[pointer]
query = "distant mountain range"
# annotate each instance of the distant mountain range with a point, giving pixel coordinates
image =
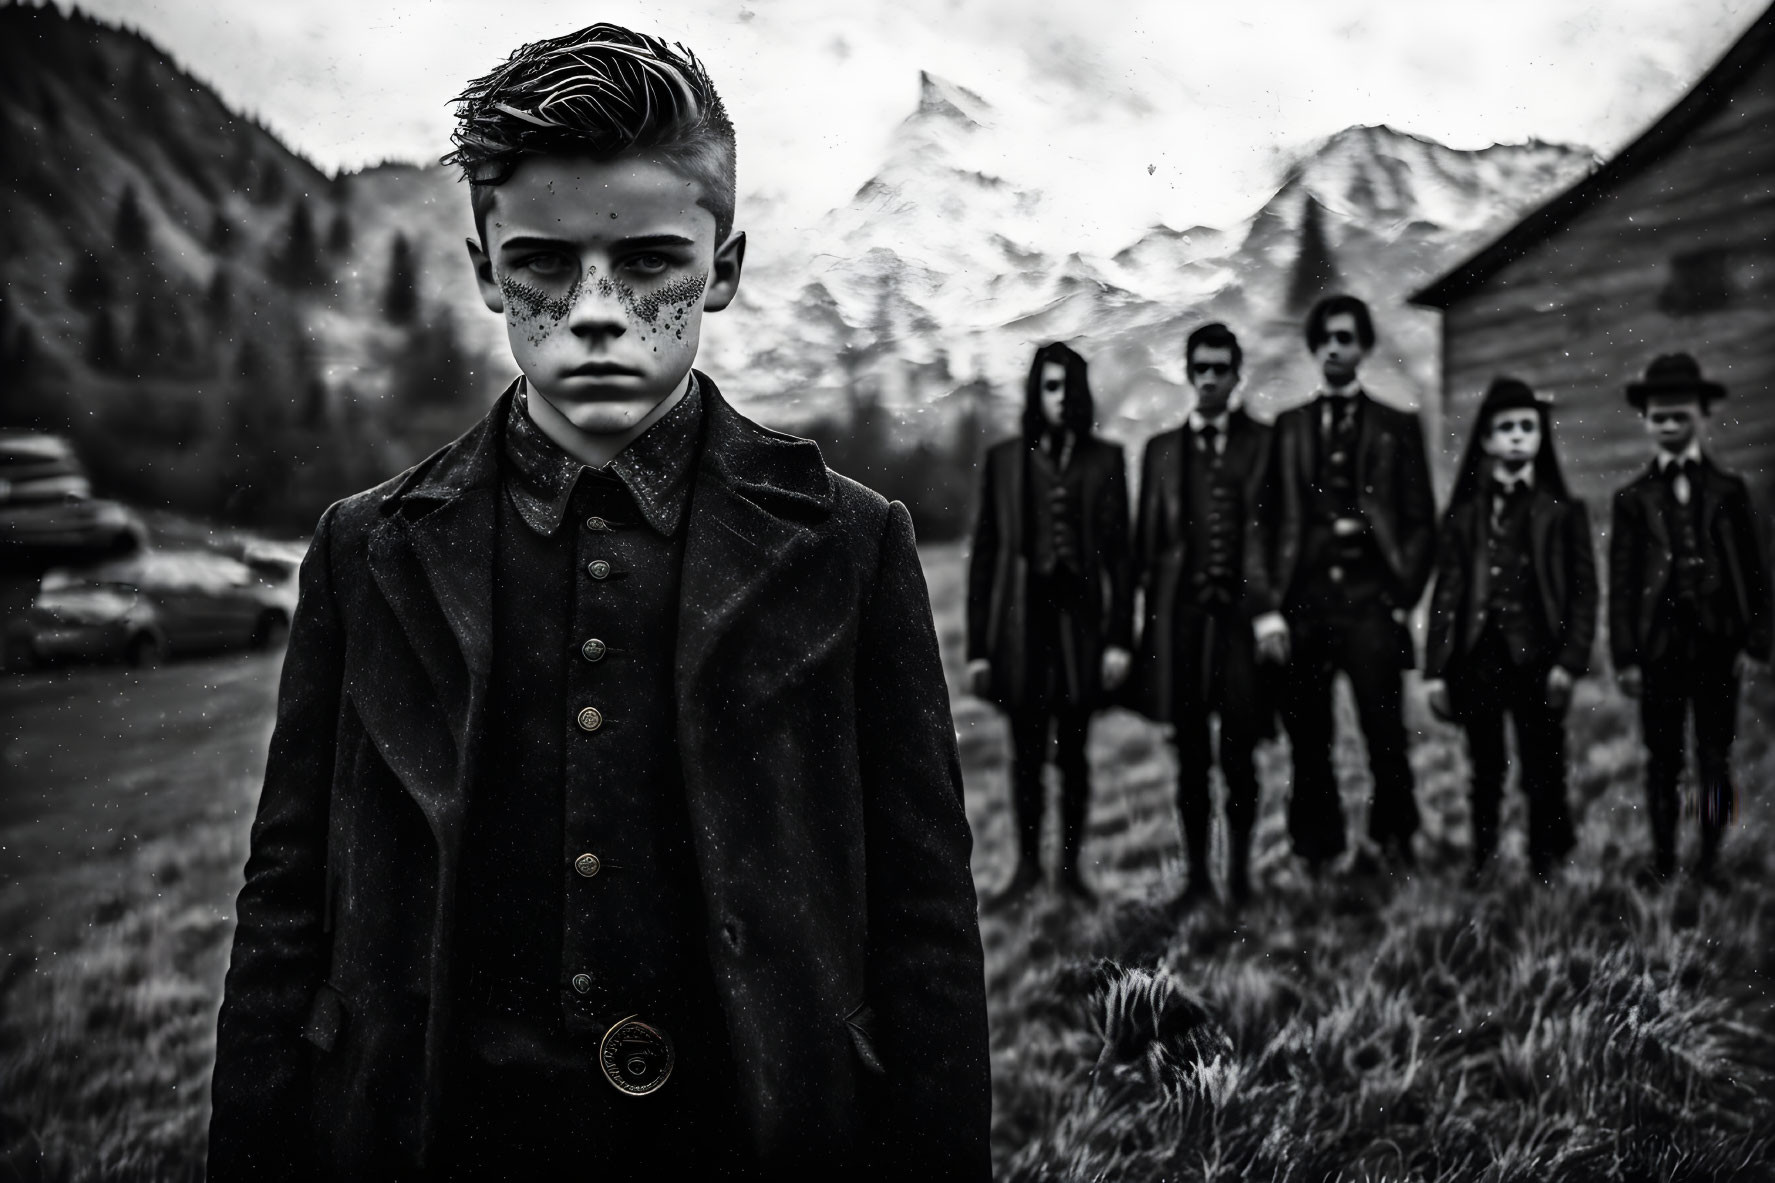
(937, 271)
(206, 310)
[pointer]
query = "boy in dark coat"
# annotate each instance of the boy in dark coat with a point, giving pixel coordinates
(1048, 603)
(1353, 528)
(1200, 562)
(1513, 616)
(613, 817)
(1688, 603)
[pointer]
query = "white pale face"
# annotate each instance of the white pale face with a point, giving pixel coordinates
(1674, 422)
(603, 270)
(1514, 438)
(1053, 392)
(1341, 352)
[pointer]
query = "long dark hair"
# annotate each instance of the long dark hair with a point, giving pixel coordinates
(1476, 465)
(1077, 409)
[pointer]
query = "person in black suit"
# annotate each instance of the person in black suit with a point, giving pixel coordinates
(1513, 616)
(1048, 600)
(613, 819)
(1200, 562)
(1353, 529)
(1688, 604)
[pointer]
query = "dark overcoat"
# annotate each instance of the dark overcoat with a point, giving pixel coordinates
(1563, 563)
(1392, 489)
(999, 569)
(1162, 546)
(1640, 558)
(823, 788)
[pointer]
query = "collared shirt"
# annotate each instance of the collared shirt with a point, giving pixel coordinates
(1505, 481)
(1689, 459)
(1198, 422)
(656, 467)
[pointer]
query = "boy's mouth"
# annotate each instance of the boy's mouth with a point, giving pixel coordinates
(603, 369)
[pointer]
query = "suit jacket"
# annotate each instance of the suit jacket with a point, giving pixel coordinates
(1162, 541)
(999, 570)
(1393, 492)
(1640, 564)
(1563, 566)
(822, 782)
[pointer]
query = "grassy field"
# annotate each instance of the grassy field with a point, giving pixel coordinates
(1353, 1029)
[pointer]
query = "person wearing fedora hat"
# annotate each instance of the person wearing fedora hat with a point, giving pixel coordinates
(1688, 603)
(1513, 616)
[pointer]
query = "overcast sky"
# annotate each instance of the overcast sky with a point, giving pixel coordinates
(1176, 111)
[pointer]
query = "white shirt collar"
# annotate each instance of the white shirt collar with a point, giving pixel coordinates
(1508, 482)
(1350, 391)
(1690, 453)
(1198, 421)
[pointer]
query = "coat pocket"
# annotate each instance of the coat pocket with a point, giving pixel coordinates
(326, 1018)
(860, 1023)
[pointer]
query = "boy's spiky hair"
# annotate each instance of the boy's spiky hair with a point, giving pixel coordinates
(600, 92)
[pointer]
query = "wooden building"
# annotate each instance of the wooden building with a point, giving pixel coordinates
(1668, 246)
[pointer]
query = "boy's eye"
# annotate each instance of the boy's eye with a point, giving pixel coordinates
(547, 265)
(648, 263)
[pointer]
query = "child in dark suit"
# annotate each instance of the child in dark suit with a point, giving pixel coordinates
(613, 820)
(1688, 603)
(1513, 616)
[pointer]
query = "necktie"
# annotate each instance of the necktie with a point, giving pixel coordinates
(1210, 438)
(1682, 479)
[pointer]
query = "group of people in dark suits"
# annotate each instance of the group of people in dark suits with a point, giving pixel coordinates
(1267, 559)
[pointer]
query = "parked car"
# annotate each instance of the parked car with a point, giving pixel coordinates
(153, 605)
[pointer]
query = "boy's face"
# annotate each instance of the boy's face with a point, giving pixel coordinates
(603, 270)
(1053, 392)
(1211, 372)
(1514, 437)
(1673, 421)
(1341, 351)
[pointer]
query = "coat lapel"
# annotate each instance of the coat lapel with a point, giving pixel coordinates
(432, 561)
(756, 493)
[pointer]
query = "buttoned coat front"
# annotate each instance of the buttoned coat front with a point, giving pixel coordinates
(1161, 547)
(1392, 490)
(1562, 567)
(1641, 560)
(823, 788)
(999, 570)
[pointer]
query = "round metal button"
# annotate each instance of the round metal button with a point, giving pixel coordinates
(588, 865)
(598, 569)
(582, 983)
(592, 650)
(636, 1057)
(597, 525)
(591, 719)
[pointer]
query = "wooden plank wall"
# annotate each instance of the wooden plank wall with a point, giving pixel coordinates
(1578, 316)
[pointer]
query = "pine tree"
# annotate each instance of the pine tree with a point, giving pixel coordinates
(1315, 266)
(131, 230)
(148, 338)
(299, 264)
(269, 187)
(218, 297)
(90, 285)
(221, 239)
(339, 234)
(141, 92)
(400, 297)
(102, 348)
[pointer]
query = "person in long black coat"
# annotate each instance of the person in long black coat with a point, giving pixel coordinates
(613, 819)
(1048, 599)
(1354, 525)
(1689, 612)
(1201, 564)
(1512, 616)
